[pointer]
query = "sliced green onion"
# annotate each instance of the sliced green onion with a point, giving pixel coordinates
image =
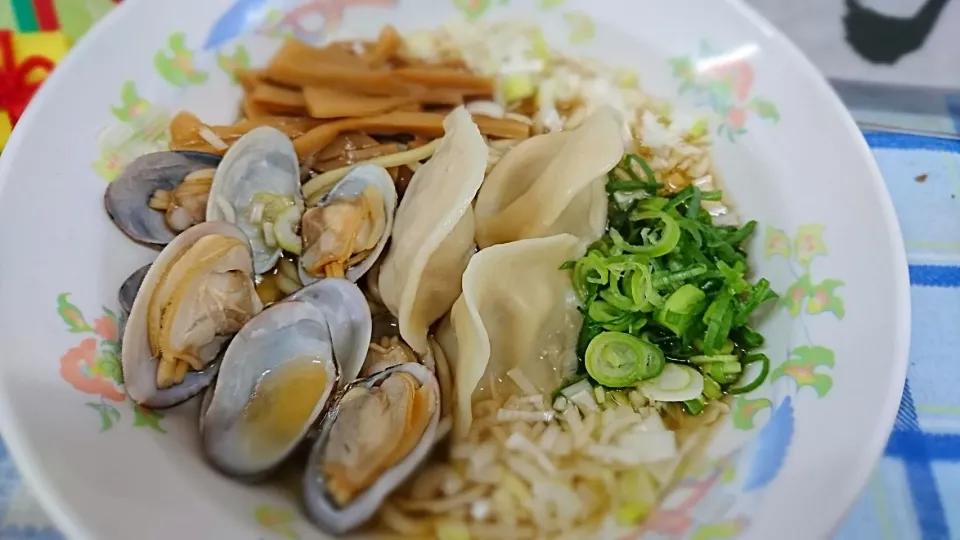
(603, 312)
(718, 371)
(761, 293)
(653, 203)
(747, 338)
(742, 233)
(711, 388)
(636, 324)
(669, 238)
(715, 195)
(731, 367)
(614, 186)
(676, 383)
(734, 276)
(661, 279)
(695, 406)
(693, 207)
(629, 159)
(681, 308)
(588, 274)
(754, 384)
(693, 229)
(663, 259)
(283, 230)
(714, 318)
(272, 205)
(721, 358)
(681, 197)
(618, 360)
(613, 296)
(641, 290)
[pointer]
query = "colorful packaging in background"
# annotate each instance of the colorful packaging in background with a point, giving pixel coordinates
(34, 36)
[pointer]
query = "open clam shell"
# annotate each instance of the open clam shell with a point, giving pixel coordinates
(137, 360)
(348, 316)
(352, 187)
(127, 198)
(275, 380)
(320, 506)
(262, 162)
(130, 287)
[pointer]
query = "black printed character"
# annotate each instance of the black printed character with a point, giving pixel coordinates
(882, 39)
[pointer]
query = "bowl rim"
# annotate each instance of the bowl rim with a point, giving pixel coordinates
(74, 526)
(876, 445)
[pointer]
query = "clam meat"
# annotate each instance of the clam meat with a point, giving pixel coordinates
(345, 233)
(386, 352)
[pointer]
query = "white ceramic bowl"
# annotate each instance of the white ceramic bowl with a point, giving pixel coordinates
(795, 453)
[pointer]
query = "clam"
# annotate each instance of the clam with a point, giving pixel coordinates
(257, 188)
(348, 316)
(345, 233)
(386, 352)
(380, 430)
(129, 288)
(195, 296)
(161, 194)
(275, 380)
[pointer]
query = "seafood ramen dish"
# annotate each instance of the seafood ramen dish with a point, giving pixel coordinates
(464, 286)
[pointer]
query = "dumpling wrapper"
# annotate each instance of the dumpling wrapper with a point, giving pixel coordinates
(517, 310)
(433, 231)
(552, 184)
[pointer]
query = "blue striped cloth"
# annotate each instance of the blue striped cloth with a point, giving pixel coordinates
(915, 492)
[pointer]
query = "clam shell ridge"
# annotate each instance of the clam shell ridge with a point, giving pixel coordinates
(349, 319)
(280, 334)
(261, 160)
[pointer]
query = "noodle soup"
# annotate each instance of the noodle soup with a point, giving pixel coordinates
(524, 300)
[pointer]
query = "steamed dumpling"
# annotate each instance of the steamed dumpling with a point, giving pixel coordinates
(552, 184)
(433, 231)
(517, 310)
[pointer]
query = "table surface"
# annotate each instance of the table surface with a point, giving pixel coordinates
(915, 492)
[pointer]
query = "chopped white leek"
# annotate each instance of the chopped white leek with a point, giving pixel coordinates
(676, 383)
(212, 139)
(517, 86)
(510, 415)
(580, 393)
(600, 395)
(269, 237)
(560, 404)
(522, 382)
(485, 107)
(256, 212)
